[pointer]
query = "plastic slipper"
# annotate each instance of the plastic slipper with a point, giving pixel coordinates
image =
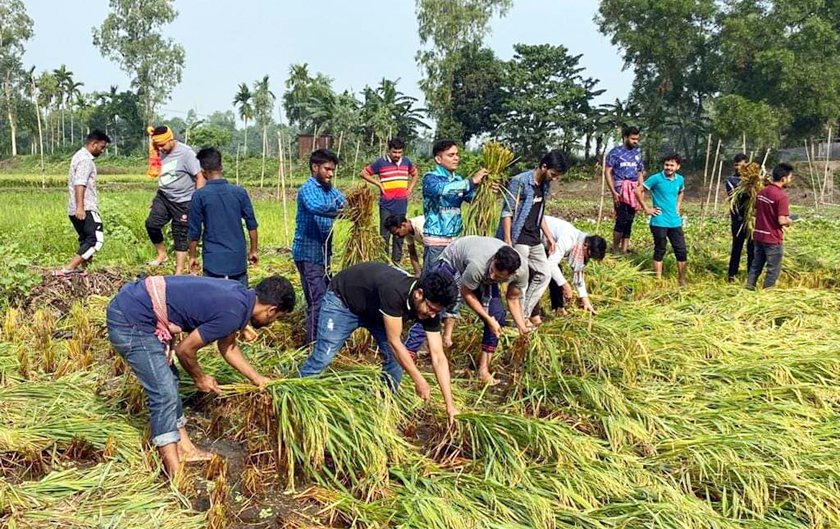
(154, 263)
(63, 272)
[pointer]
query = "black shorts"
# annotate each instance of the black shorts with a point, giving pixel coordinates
(90, 234)
(624, 216)
(162, 211)
(660, 238)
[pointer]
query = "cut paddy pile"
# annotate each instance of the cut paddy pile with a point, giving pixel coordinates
(702, 407)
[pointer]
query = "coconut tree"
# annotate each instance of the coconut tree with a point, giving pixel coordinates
(264, 100)
(243, 103)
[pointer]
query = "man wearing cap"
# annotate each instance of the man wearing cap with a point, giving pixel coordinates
(180, 175)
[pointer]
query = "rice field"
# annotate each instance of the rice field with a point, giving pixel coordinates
(702, 407)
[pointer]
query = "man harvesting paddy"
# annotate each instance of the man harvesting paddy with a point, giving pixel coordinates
(380, 298)
(772, 216)
(142, 319)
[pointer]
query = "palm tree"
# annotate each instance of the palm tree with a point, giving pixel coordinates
(63, 79)
(242, 100)
(73, 94)
(389, 112)
(297, 86)
(264, 100)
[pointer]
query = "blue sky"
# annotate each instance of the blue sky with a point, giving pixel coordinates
(354, 42)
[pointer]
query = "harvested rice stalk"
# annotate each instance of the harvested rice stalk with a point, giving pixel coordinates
(744, 196)
(363, 242)
(482, 216)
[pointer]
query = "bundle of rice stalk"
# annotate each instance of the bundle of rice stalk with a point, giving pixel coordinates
(363, 243)
(338, 430)
(744, 196)
(482, 216)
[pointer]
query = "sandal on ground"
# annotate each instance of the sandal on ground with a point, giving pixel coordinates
(63, 272)
(154, 263)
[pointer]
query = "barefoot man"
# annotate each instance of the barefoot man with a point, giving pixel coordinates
(145, 314)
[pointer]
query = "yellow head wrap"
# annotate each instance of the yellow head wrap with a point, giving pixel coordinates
(160, 139)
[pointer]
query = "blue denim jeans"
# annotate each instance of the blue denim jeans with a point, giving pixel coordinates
(335, 324)
(314, 279)
(769, 255)
(146, 356)
(431, 254)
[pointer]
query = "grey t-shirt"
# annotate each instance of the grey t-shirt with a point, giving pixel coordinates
(470, 257)
(177, 173)
(82, 173)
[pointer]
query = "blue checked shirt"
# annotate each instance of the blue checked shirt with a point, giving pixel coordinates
(518, 202)
(317, 208)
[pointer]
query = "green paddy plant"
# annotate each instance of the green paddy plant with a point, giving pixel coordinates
(482, 216)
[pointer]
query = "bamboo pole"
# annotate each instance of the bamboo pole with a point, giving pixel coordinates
(744, 143)
(283, 186)
(711, 183)
(356, 157)
(603, 185)
(811, 173)
(717, 186)
(291, 159)
(708, 153)
(237, 164)
(825, 185)
(338, 151)
(764, 160)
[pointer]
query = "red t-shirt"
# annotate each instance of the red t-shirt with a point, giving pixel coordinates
(770, 204)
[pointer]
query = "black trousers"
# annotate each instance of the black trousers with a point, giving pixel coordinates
(90, 234)
(624, 216)
(740, 235)
(162, 211)
(661, 236)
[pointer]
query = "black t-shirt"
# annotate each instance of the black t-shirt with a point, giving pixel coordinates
(371, 290)
(530, 233)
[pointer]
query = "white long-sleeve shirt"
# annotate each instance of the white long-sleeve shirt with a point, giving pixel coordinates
(566, 236)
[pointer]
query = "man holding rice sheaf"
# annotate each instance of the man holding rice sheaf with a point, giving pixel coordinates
(142, 319)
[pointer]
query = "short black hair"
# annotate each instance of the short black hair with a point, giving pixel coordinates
(597, 246)
(276, 291)
(673, 157)
(740, 157)
(555, 160)
(210, 159)
(507, 260)
(396, 143)
(160, 130)
(439, 288)
(782, 170)
(322, 156)
(442, 145)
(630, 131)
(97, 135)
(394, 221)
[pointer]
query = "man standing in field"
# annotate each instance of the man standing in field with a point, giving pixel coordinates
(576, 248)
(523, 221)
(444, 191)
(218, 210)
(396, 178)
(318, 204)
(667, 189)
(180, 176)
(144, 315)
(625, 171)
(380, 298)
(83, 204)
(772, 215)
(411, 228)
(737, 220)
(479, 265)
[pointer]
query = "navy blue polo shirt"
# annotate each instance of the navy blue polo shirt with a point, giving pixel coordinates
(219, 208)
(215, 307)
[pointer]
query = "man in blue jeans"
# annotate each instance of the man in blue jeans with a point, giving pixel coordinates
(141, 320)
(772, 216)
(216, 214)
(667, 189)
(379, 298)
(318, 204)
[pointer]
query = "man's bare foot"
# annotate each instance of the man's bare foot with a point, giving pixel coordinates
(487, 378)
(447, 341)
(157, 261)
(536, 321)
(195, 455)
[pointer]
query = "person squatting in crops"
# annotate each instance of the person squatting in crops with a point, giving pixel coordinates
(142, 319)
(180, 175)
(737, 221)
(412, 230)
(576, 248)
(318, 204)
(772, 215)
(444, 191)
(625, 171)
(379, 298)
(396, 177)
(83, 203)
(667, 189)
(479, 265)
(522, 224)
(217, 211)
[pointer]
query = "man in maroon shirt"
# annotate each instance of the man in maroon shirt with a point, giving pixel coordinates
(772, 214)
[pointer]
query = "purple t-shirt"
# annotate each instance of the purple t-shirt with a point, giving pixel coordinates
(626, 164)
(214, 307)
